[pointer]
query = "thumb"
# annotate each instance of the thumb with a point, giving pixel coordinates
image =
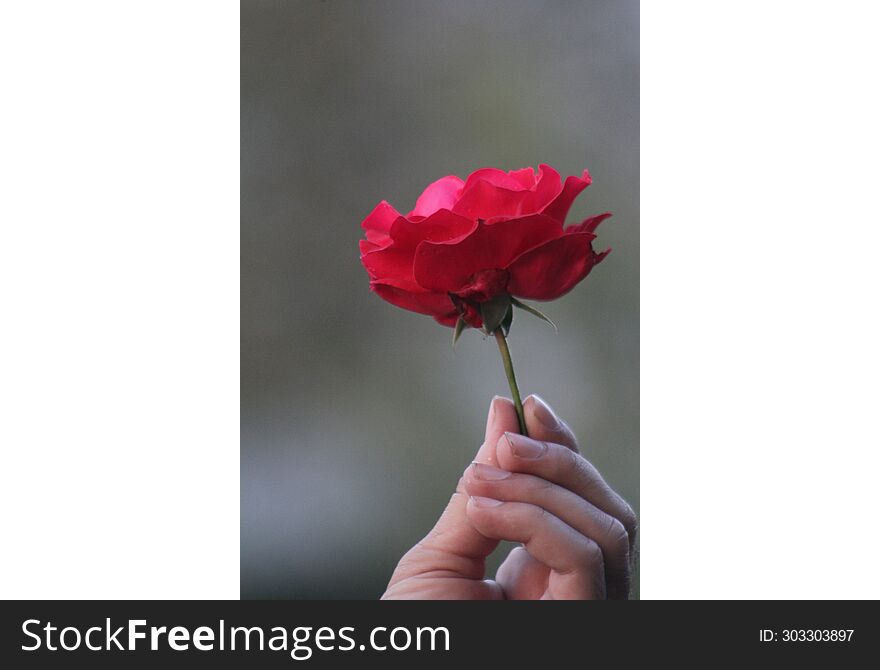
(453, 538)
(453, 532)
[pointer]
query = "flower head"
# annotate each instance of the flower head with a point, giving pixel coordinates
(467, 243)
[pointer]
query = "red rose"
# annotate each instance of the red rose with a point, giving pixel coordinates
(466, 242)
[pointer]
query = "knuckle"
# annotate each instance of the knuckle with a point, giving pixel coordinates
(539, 514)
(590, 554)
(582, 470)
(531, 522)
(587, 469)
(629, 522)
(561, 430)
(540, 486)
(568, 436)
(547, 448)
(565, 461)
(618, 537)
(533, 517)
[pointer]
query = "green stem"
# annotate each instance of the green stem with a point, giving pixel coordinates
(511, 379)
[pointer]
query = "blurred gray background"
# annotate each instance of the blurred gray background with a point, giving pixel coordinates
(357, 418)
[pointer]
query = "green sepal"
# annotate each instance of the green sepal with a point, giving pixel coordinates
(495, 313)
(535, 311)
(460, 325)
(505, 325)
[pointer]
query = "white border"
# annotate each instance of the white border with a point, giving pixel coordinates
(760, 336)
(119, 272)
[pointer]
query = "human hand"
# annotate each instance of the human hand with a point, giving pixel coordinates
(577, 534)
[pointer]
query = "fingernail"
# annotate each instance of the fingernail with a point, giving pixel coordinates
(480, 501)
(489, 472)
(544, 414)
(492, 407)
(523, 447)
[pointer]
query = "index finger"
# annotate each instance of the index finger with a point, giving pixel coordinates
(545, 425)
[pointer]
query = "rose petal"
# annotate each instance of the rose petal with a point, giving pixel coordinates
(547, 188)
(366, 246)
(441, 226)
(433, 304)
(484, 200)
(448, 266)
(448, 320)
(499, 178)
(559, 206)
(490, 192)
(501, 195)
(441, 194)
(378, 223)
(588, 225)
(393, 262)
(469, 312)
(553, 269)
(526, 177)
